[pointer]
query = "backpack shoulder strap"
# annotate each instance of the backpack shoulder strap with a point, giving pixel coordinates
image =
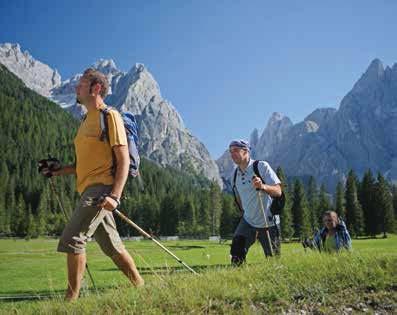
(237, 199)
(104, 123)
(235, 177)
(256, 170)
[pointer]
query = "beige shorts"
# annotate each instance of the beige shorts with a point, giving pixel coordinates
(88, 221)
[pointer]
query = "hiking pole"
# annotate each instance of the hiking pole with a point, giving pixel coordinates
(267, 234)
(126, 219)
(52, 185)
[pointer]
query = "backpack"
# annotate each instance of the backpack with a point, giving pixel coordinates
(131, 130)
(278, 203)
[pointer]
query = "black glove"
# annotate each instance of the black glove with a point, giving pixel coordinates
(47, 166)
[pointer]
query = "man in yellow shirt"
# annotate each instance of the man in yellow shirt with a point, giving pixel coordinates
(96, 179)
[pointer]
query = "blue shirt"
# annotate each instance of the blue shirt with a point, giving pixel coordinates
(248, 195)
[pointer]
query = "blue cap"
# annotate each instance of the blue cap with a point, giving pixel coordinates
(240, 144)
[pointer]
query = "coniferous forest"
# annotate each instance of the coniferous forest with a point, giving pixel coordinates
(171, 202)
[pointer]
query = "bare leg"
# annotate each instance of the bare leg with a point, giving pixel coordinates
(76, 268)
(127, 265)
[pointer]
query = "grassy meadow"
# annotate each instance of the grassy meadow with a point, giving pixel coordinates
(300, 281)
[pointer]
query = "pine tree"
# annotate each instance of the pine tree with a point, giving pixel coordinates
(203, 215)
(149, 214)
(19, 223)
(300, 211)
(287, 230)
(31, 228)
(229, 217)
(354, 213)
(367, 201)
(168, 216)
(384, 202)
(323, 205)
(43, 212)
(215, 207)
(394, 190)
(313, 202)
(187, 218)
(3, 216)
(339, 201)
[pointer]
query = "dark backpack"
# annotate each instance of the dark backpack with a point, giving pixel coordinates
(131, 129)
(278, 203)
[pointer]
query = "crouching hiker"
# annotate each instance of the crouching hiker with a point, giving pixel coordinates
(255, 184)
(333, 237)
(102, 170)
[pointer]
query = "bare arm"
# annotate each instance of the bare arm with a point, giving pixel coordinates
(271, 190)
(123, 164)
(123, 161)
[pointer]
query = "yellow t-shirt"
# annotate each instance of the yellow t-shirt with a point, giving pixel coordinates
(94, 157)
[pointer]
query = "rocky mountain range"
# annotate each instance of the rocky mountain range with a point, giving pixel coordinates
(360, 135)
(164, 137)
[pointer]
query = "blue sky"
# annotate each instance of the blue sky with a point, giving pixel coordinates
(225, 65)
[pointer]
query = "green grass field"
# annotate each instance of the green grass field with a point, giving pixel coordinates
(364, 280)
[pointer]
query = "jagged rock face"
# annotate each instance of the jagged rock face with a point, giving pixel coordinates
(135, 90)
(254, 139)
(277, 127)
(166, 141)
(225, 165)
(36, 75)
(164, 137)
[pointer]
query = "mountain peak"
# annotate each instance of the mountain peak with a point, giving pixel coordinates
(375, 69)
(374, 72)
(277, 120)
(276, 116)
(106, 66)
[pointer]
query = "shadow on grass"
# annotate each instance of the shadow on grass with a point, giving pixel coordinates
(185, 247)
(174, 269)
